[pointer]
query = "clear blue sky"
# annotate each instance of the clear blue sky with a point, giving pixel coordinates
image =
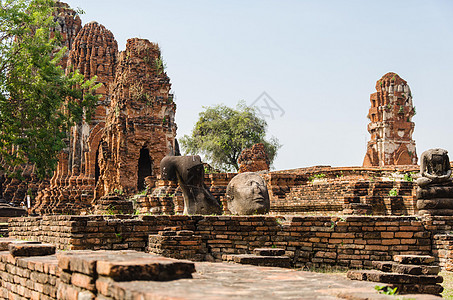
(319, 60)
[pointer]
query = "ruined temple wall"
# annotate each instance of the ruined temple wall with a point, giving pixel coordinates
(101, 232)
(68, 26)
(28, 277)
(326, 190)
(93, 52)
(349, 241)
(15, 191)
(330, 196)
(141, 117)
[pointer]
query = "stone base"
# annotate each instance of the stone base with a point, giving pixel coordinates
(269, 251)
(436, 206)
(436, 212)
(390, 266)
(125, 265)
(436, 191)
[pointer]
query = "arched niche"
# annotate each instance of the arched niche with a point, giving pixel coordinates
(145, 168)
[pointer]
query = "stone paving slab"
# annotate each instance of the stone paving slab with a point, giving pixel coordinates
(234, 281)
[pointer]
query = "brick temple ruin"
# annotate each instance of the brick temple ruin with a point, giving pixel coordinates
(339, 216)
(391, 125)
(131, 130)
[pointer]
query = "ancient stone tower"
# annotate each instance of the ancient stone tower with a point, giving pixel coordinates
(131, 130)
(391, 125)
(140, 128)
(14, 190)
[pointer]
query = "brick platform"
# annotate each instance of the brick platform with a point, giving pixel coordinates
(308, 241)
(83, 274)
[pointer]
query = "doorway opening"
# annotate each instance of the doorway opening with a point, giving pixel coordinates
(144, 168)
(97, 171)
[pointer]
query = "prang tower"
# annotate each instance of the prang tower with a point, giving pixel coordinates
(391, 125)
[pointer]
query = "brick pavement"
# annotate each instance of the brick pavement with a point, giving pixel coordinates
(233, 281)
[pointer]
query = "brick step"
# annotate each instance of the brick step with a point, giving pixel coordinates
(414, 259)
(433, 289)
(19, 248)
(269, 251)
(393, 278)
(393, 267)
(125, 265)
(257, 260)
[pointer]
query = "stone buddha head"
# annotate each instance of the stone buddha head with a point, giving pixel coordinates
(247, 194)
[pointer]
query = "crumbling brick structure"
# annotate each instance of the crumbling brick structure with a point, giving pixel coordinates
(391, 125)
(131, 130)
(68, 25)
(94, 52)
(254, 159)
(140, 128)
(15, 190)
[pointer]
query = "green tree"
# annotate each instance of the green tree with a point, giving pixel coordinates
(221, 133)
(38, 101)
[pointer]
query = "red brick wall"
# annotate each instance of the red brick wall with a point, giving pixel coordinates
(350, 241)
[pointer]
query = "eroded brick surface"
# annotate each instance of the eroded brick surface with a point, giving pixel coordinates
(30, 249)
(94, 52)
(254, 159)
(391, 125)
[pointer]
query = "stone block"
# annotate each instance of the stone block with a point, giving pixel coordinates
(4, 242)
(269, 251)
(414, 259)
(433, 289)
(31, 249)
(393, 278)
(158, 269)
(264, 261)
(83, 281)
(82, 261)
(389, 266)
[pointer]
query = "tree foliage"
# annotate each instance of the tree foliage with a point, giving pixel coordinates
(38, 101)
(221, 133)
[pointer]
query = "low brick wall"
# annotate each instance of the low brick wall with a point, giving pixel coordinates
(350, 241)
(28, 278)
(315, 190)
(102, 232)
(443, 250)
(83, 274)
(335, 195)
